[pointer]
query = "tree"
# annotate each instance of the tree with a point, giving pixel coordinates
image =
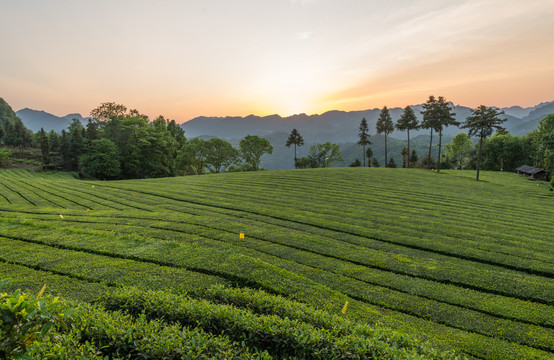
(364, 136)
(252, 148)
(503, 152)
(2, 133)
(92, 130)
(100, 159)
(458, 149)
(392, 163)
(430, 121)
(294, 139)
(44, 147)
(405, 157)
(369, 155)
(437, 114)
(108, 111)
(413, 158)
(375, 162)
(545, 144)
(385, 126)
(481, 123)
(408, 121)
(5, 156)
(323, 155)
(54, 140)
(356, 163)
(445, 119)
(192, 156)
(76, 136)
(220, 154)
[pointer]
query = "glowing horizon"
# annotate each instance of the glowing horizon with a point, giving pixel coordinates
(183, 59)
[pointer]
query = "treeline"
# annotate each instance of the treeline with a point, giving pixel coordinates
(121, 144)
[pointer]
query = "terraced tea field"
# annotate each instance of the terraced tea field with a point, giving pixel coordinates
(464, 265)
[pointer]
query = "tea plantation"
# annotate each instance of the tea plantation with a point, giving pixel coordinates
(429, 263)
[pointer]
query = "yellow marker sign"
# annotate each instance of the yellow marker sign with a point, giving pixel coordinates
(344, 308)
(61, 216)
(537, 184)
(133, 195)
(93, 186)
(241, 235)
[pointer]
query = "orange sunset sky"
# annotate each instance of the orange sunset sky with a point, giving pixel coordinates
(183, 59)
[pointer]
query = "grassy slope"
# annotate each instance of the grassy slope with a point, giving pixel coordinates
(463, 264)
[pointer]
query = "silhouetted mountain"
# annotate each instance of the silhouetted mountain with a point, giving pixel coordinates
(35, 119)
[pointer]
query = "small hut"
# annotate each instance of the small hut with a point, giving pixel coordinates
(535, 173)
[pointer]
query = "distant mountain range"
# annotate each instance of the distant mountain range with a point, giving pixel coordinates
(342, 126)
(35, 120)
(336, 126)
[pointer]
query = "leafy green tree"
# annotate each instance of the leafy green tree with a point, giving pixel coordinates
(108, 111)
(177, 133)
(481, 123)
(220, 154)
(252, 148)
(192, 156)
(503, 152)
(408, 121)
(64, 148)
(392, 163)
(295, 139)
(363, 135)
(356, 163)
(385, 126)
(2, 133)
(44, 147)
(100, 159)
(375, 162)
(545, 144)
(323, 155)
(459, 149)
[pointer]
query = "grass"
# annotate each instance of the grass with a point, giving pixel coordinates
(460, 264)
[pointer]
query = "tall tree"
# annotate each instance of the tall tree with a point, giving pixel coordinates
(408, 121)
(323, 155)
(545, 144)
(192, 156)
(295, 139)
(445, 118)
(482, 121)
(44, 147)
(100, 159)
(430, 120)
(385, 126)
(364, 136)
(252, 148)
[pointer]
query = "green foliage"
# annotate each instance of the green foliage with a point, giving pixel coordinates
(44, 147)
(191, 158)
(321, 156)
(100, 159)
(356, 163)
(458, 150)
(252, 148)
(503, 152)
(220, 154)
(5, 156)
(26, 318)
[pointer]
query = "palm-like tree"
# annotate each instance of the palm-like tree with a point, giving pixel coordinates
(295, 139)
(385, 126)
(364, 137)
(482, 122)
(408, 121)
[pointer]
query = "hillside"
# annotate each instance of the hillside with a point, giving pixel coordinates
(35, 120)
(464, 265)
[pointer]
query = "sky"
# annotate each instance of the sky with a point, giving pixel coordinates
(188, 58)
